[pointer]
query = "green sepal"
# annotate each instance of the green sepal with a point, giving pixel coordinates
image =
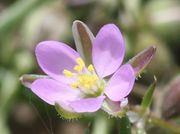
(83, 38)
(142, 59)
(66, 114)
(147, 99)
(28, 79)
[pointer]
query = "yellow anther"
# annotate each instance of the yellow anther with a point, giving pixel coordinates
(91, 68)
(75, 85)
(87, 81)
(87, 86)
(80, 62)
(80, 65)
(84, 80)
(68, 73)
(78, 68)
(94, 77)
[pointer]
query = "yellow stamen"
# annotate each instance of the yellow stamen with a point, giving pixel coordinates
(68, 73)
(80, 65)
(87, 86)
(95, 77)
(80, 62)
(78, 68)
(87, 80)
(91, 68)
(83, 80)
(75, 85)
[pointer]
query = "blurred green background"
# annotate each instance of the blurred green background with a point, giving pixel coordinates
(24, 23)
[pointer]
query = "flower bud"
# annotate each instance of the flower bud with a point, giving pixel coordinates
(162, 63)
(170, 106)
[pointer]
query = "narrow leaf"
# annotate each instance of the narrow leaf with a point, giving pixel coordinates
(83, 38)
(142, 59)
(148, 97)
(28, 79)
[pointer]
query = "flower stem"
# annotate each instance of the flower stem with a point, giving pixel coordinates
(163, 124)
(156, 121)
(124, 125)
(102, 125)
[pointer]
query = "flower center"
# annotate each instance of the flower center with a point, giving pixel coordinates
(85, 79)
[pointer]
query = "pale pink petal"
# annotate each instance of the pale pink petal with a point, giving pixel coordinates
(121, 83)
(114, 107)
(87, 104)
(65, 105)
(111, 107)
(51, 91)
(53, 57)
(108, 50)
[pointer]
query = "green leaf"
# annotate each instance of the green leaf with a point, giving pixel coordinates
(147, 99)
(142, 59)
(83, 38)
(124, 125)
(27, 79)
(66, 114)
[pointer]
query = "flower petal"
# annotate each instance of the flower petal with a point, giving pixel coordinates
(114, 108)
(121, 83)
(51, 91)
(64, 105)
(108, 50)
(53, 57)
(111, 107)
(65, 111)
(87, 105)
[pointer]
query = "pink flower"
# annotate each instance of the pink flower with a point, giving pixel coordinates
(78, 88)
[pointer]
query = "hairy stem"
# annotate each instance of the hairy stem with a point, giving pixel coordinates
(101, 125)
(124, 125)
